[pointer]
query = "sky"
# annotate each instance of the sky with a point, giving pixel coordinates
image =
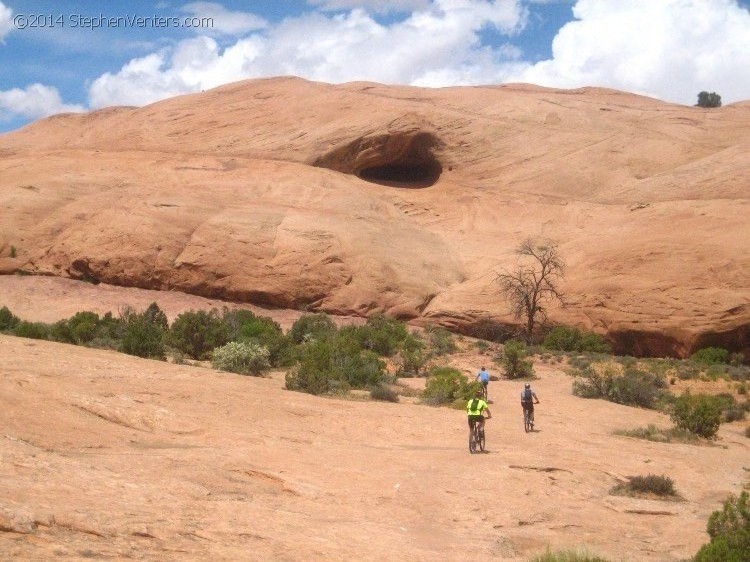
(84, 55)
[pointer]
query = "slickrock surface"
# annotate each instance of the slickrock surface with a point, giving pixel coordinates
(107, 456)
(363, 197)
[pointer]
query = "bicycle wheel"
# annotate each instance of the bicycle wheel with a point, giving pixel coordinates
(472, 441)
(527, 425)
(481, 440)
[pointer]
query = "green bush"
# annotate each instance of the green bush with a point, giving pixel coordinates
(8, 320)
(335, 363)
(710, 356)
(143, 333)
(245, 358)
(446, 385)
(244, 326)
(413, 357)
(564, 338)
(197, 333)
(632, 387)
(514, 361)
(729, 530)
(311, 326)
(699, 414)
(384, 393)
(441, 341)
(382, 334)
(33, 330)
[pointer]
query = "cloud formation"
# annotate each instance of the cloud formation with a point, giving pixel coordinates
(225, 21)
(6, 21)
(670, 49)
(34, 101)
(435, 46)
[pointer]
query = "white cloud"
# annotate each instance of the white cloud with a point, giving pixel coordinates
(438, 45)
(225, 21)
(671, 49)
(373, 6)
(34, 101)
(6, 21)
(195, 64)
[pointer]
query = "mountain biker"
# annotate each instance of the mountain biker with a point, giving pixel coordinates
(475, 409)
(484, 377)
(528, 399)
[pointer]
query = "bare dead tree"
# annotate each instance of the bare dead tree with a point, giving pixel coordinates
(534, 282)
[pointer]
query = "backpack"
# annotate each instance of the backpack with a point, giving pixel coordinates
(526, 395)
(474, 404)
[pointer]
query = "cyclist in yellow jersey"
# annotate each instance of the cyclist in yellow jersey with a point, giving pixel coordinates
(475, 408)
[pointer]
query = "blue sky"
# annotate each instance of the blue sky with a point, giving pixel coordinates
(83, 55)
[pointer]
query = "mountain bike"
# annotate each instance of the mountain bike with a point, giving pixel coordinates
(528, 419)
(476, 439)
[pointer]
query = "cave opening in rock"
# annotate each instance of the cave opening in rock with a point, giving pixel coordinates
(398, 159)
(422, 174)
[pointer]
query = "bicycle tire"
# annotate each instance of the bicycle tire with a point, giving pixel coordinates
(527, 424)
(472, 441)
(481, 441)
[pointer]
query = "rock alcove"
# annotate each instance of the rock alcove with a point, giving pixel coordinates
(404, 159)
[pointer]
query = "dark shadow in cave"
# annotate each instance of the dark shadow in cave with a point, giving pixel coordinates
(409, 175)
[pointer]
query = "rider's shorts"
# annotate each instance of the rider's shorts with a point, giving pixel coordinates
(528, 406)
(475, 419)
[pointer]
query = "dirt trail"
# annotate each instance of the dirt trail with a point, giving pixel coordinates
(106, 455)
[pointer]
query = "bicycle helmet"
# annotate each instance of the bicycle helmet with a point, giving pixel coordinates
(527, 385)
(479, 393)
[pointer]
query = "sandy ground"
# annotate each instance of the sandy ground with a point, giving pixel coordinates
(108, 456)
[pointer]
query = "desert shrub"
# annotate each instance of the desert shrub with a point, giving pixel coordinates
(580, 362)
(33, 330)
(143, 334)
(413, 357)
(736, 359)
(687, 370)
(710, 356)
(382, 334)
(741, 388)
(747, 431)
(735, 413)
(651, 484)
(245, 358)
(653, 433)
(80, 328)
(729, 529)
(441, 341)
(564, 338)
(482, 346)
(514, 361)
(632, 387)
(197, 333)
(699, 414)
(335, 363)
(311, 326)
(244, 326)
(384, 393)
(446, 385)
(8, 320)
(567, 556)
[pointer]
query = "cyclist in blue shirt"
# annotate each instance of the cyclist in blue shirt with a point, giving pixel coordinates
(484, 377)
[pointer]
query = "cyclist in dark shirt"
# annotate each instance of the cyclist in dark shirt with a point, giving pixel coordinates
(528, 399)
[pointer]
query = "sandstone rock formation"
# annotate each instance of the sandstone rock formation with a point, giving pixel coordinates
(363, 197)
